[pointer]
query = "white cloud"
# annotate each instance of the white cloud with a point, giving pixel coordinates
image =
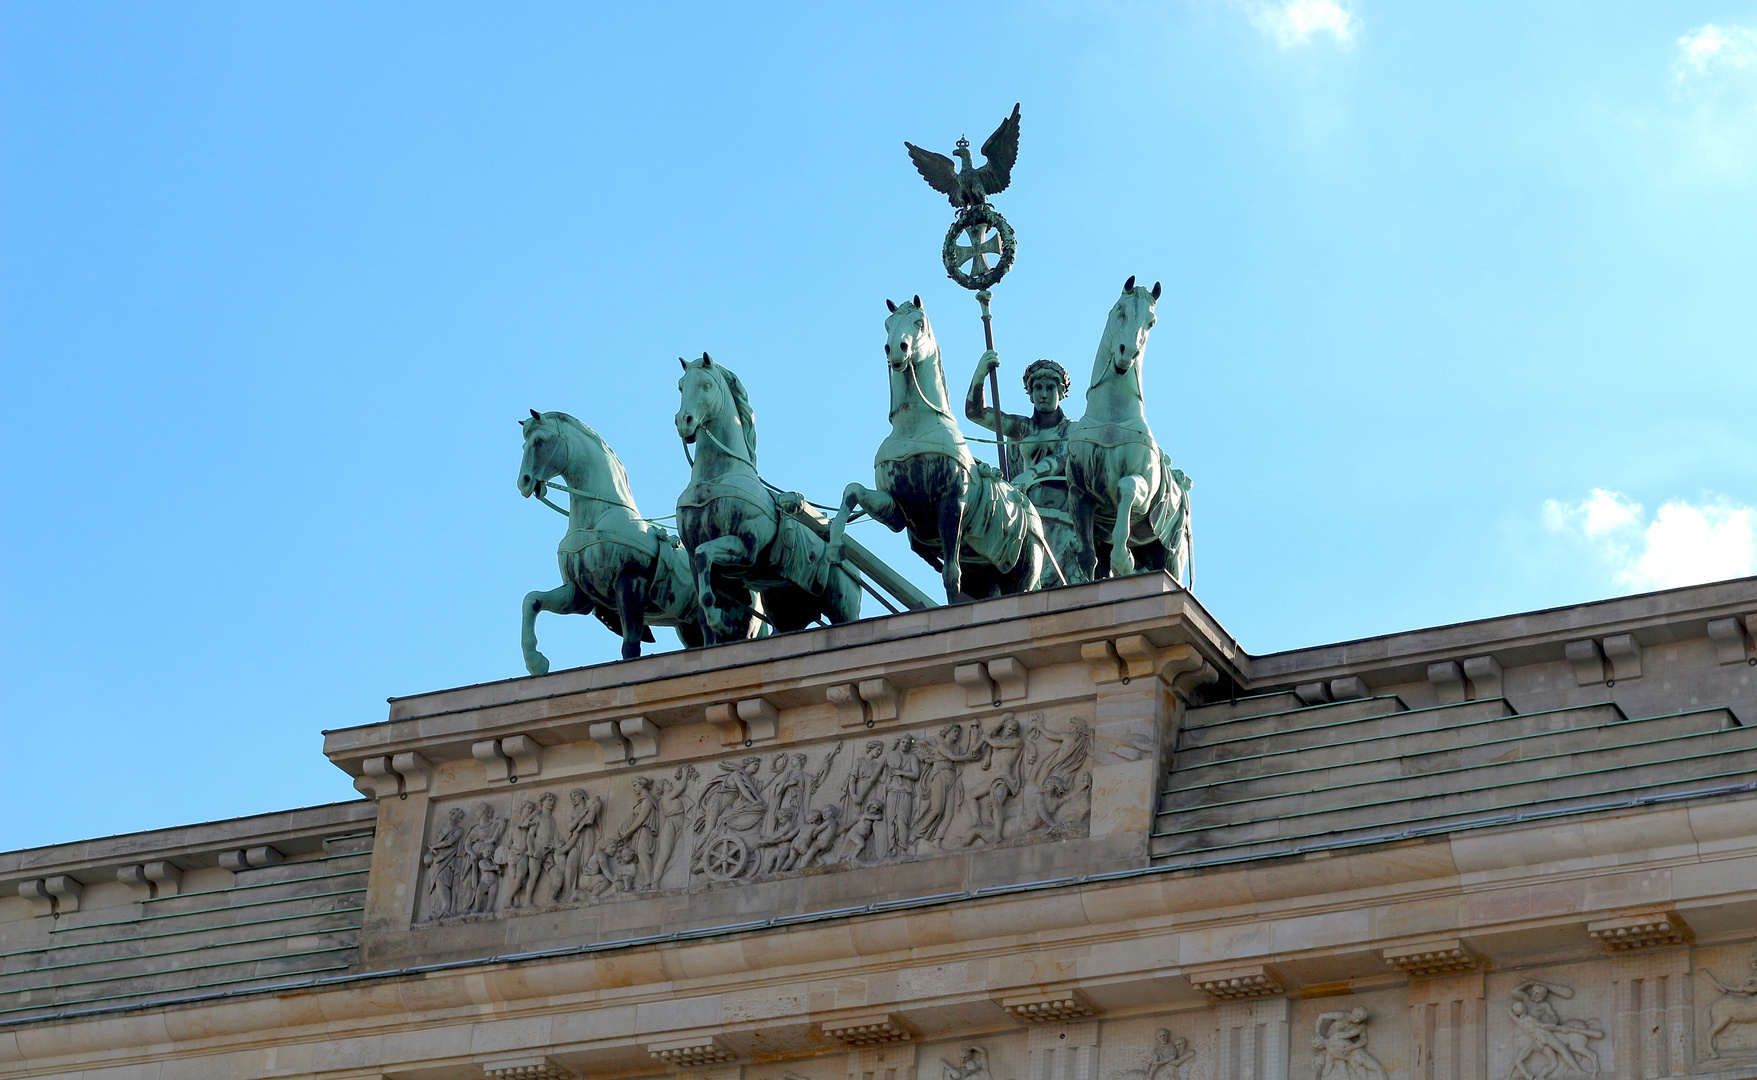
(1296, 22)
(1682, 544)
(1709, 49)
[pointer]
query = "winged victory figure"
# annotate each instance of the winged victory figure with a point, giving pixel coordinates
(968, 185)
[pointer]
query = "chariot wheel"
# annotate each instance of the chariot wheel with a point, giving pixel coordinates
(726, 858)
(978, 233)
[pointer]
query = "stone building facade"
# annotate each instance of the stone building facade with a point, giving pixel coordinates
(1072, 835)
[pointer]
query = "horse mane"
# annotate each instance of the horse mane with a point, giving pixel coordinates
(618, 475)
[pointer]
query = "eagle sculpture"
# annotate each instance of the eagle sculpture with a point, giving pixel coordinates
(970, 186)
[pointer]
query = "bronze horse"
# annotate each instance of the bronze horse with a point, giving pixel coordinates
(980, 532)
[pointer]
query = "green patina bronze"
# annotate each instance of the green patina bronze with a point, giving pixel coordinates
(1071, 501)
(629, 572)
(1131, 508)
(1036, 449)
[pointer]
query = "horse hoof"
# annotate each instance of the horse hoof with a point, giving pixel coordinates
(631, 650)
(1122, 567)
(537, 664)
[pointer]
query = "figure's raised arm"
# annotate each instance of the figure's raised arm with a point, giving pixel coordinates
(976, 407)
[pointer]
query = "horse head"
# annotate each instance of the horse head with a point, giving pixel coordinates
(546, 455)
(557, 444)
(909, 348)
(908, 334)
(712, 395)
(1125, 331)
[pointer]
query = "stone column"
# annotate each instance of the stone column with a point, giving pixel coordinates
(1448, 1029)
(1253, 1039)
(1650, 1036)
(888, 1061)
(1134, 725)
(1062, 1051)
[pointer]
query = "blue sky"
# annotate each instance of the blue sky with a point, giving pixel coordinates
(1458, 319)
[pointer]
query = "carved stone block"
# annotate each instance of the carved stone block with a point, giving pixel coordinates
(979, 691)
(37, 892)
(883, 698)
(1728, 636)
(1102, 661)
(1643, 930)
(135, 878)
(1011, 678)
(871, 1030)
(692, 1052)
(762, 721)
(515, 757)
(527, 1068)
(379, 780)
(1431, 959)
(149, 881)
(1312, 693)
(1484, 673)
(166, 878)
(1588, 661)
(1347, 689)
(1140, 657)
(1624, 653)
(413, 770)
(251, 858)
(1048, 1008)
(1237, 984)
(850, 709)
(605, 733)
(1448, 679)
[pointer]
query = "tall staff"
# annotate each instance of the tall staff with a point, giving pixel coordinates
(969, 242)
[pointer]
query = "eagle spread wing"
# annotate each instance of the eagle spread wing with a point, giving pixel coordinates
(1001, 150)
(940, 171)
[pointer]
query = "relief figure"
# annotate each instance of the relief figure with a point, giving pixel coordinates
(1341, 1045)
(514, 856)
(936, 791)
(479, 884)
(1735, 1005)
(641, 831)
(444, 857)
(1166, 1062)
(972, 1066)
(1565, 1046)
(902, 771)
(674, 808)
(544, 886)
(581, 840)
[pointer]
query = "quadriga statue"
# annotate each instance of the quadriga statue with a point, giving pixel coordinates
(739, 540)
(1131, 508)
(979, 531)
(615, 564)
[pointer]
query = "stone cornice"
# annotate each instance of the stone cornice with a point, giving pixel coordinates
(909, 651)
(1529, 637)
(1150, 929)
(292, 832)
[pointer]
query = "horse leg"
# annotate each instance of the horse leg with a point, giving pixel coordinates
(841, 600)
(878, 504)
(951, 523)
(631, 608)
(721, 551)
(1085, 527)
(1131, 491)
(560, 600)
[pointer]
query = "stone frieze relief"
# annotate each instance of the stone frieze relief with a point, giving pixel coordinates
(860, 801)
